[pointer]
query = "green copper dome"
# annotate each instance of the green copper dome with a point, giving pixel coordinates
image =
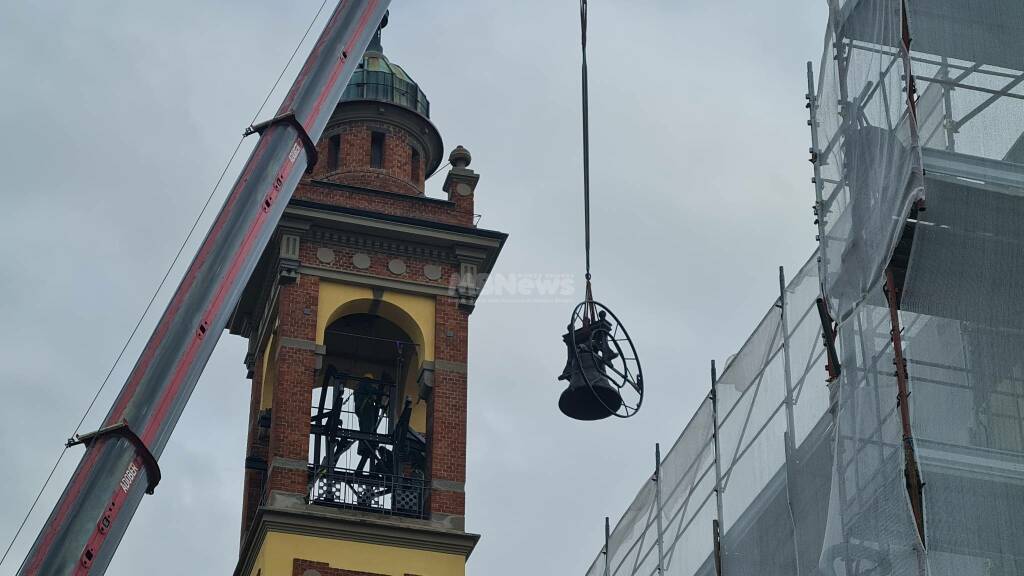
(378, 79)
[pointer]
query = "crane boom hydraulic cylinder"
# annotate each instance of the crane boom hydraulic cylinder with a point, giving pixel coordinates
(119, 465)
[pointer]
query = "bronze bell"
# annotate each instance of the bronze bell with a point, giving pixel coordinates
(590, 395)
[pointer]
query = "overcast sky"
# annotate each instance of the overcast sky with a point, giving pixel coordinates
(119, 117)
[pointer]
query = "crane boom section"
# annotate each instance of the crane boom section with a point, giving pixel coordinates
(87, 523)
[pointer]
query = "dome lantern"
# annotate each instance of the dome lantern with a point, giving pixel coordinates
(378, 79)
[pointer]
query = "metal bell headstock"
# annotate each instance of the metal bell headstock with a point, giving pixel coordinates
(601, 363)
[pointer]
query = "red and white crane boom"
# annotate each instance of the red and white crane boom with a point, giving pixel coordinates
(120, 462)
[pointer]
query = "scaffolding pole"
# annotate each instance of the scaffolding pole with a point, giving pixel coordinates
(607, 550)
(657, 510)
(716, 527)
(819, 185)
(790, 419)
(790, 438)
(948, 123)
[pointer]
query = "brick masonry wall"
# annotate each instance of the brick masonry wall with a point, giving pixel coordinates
(254, 481)
(297, 305)
(446, 420)
(299, 568)
(309, 254)
(353, 163)
(296, 370)
(459, 212)
(463, 204)
(395, 189)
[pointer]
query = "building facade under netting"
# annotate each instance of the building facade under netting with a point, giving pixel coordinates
(879, 431)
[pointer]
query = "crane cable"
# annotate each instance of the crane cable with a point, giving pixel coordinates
(589, 310)
(163, 281)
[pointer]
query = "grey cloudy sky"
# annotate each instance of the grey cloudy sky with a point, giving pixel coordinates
(119, 117)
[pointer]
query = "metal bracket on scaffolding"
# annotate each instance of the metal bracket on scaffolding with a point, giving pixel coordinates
(828, 337)
(124, 431)
(289, 119)
(607, 547)
(717, 535)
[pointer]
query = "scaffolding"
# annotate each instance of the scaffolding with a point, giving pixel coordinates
(906, 455)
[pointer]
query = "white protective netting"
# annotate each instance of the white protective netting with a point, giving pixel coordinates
(967, 60)
(813, 477)
(870, 165)
(687, 508)
(774, 448)
(964, 292)
(688, 500)
(774, 492)
(871, 528)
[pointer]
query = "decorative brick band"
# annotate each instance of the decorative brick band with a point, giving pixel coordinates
(451, 521)
(448, 485)
(289, 463)
(300, 344)
(449, 366)
(375, 281)
(302, 567)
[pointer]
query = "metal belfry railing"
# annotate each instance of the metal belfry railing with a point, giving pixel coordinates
(365, 454)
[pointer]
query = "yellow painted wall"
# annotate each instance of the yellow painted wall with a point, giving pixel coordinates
(279, 551)
(414, 314)
(411, 312)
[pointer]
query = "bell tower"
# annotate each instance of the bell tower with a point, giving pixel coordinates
(357, 319)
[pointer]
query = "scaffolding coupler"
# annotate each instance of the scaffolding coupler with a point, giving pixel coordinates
(289, 119)
(716, 534)
(124, 431)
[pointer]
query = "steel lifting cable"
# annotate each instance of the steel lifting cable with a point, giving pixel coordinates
(589, 310)
(593, 329)
(163, 281)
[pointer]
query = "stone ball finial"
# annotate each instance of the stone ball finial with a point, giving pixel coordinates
(460, 157)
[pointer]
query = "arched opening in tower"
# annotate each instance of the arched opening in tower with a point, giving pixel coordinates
(365, 449)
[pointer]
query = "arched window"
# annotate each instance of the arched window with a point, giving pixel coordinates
(364, 451)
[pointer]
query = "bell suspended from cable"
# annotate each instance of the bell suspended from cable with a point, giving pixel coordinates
(591, 394)
(603, 368)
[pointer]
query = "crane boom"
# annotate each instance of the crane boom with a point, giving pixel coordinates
(119, 465)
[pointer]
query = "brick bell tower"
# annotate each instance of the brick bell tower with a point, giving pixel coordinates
(357, 321)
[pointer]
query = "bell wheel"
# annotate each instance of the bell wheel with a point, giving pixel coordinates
(600, 340)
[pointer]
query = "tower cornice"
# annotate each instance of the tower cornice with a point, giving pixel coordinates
(285, 514)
